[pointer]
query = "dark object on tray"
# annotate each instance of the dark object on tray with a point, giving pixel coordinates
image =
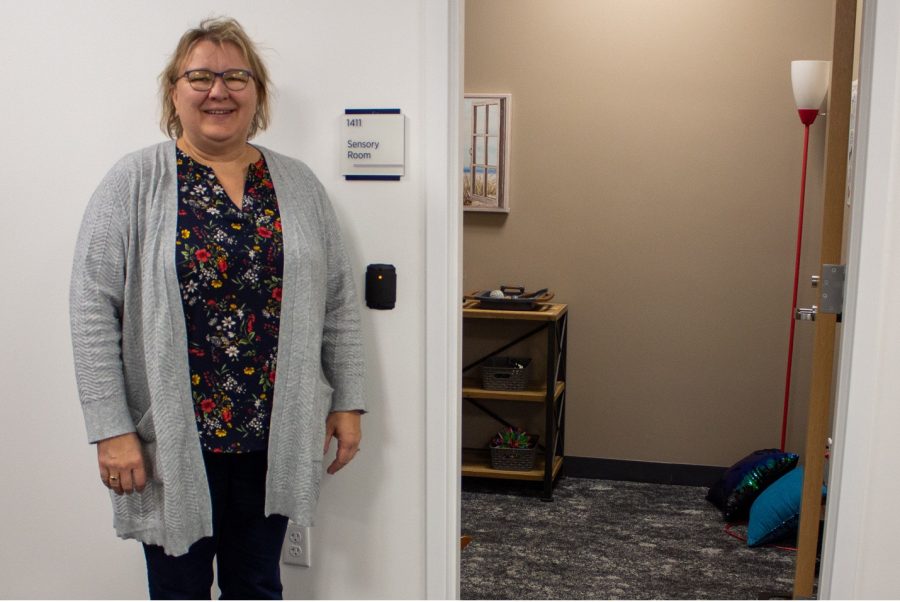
(505, 373)
(514, 458)
(742, 483)
(514, 298)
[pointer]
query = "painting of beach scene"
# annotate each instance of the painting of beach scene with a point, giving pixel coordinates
(485, 123)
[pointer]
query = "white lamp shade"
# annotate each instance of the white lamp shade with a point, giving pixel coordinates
(810, 80)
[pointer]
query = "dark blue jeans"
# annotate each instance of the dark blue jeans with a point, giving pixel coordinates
(245, 544)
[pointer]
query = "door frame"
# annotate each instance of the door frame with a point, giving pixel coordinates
(866, 339)
(443, 43)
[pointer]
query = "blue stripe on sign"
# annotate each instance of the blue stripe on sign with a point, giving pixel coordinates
(371, 111)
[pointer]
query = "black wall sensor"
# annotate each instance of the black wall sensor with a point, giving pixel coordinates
(381, 286)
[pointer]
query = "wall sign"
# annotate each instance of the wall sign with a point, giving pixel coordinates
(372, 144)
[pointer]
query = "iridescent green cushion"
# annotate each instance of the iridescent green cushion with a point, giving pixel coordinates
(742, 483)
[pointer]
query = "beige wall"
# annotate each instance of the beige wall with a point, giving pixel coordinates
(655, 168)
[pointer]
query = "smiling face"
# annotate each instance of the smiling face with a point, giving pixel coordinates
(218, 120)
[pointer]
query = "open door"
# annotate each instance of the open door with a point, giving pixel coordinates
(820, 395)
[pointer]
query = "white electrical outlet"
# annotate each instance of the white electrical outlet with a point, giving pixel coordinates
(296, 546)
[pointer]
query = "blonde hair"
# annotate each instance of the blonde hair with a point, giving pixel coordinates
(219, 30)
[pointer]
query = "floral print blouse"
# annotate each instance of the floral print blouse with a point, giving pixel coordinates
(230, 266)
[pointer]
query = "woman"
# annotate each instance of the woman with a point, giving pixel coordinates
(206, 266)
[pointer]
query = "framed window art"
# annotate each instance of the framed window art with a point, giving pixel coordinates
(485, 123)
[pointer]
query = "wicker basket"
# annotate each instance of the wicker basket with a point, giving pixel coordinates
(505, 373)
(513, 458)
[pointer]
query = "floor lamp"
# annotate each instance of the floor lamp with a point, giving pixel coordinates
(810, 80)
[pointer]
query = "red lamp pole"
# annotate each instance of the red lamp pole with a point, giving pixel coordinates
(807, 117)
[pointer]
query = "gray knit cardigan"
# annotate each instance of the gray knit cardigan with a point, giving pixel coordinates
(130, 344)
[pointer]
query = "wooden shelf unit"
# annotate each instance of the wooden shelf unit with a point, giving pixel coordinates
(537, 393)
(477, 463)
(544, 312)
(549, 463)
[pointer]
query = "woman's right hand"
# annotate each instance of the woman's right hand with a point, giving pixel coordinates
(122, 463)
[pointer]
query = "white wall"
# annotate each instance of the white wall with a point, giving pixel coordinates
(860, 552)
(79, 92)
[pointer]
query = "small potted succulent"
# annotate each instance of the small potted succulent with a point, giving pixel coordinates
(513, 449)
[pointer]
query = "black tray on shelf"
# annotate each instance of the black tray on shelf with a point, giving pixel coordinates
(515, 298)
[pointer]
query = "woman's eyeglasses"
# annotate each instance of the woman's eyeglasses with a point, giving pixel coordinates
(202, 80)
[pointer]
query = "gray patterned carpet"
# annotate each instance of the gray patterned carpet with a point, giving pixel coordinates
(611, 540)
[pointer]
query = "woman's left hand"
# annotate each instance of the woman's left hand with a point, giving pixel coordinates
(345, 427)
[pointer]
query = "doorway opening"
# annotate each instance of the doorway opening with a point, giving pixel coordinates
(653, 176)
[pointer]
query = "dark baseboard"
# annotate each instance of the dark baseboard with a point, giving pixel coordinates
(643, 472)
